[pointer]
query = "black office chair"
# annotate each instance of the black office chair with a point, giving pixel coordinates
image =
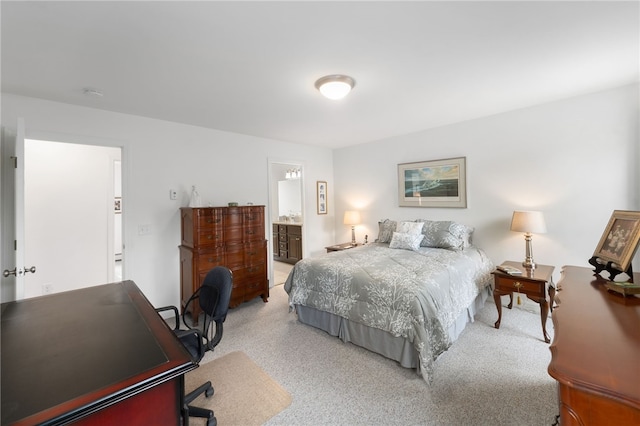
(217, 284)
(213, 296)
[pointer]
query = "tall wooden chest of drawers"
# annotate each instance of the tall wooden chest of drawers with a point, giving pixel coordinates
(229, 236)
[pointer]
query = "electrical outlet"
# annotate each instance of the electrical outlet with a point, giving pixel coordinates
(173, 194)
(144, 229)
(47, 288)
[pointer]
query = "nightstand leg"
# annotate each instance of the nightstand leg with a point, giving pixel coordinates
(496, 298)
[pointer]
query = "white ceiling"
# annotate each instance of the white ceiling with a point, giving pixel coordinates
(249, 67)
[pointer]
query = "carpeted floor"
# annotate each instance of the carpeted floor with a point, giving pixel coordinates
(488, 377)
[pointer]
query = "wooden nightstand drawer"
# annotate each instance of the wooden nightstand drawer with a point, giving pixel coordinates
(518, 284)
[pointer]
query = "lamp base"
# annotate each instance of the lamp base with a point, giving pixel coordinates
(528, 259)
(529, 264)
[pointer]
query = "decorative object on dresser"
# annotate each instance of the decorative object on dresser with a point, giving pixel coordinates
(617, 247)
(528, 222)
(287, 243)
(352, 217)
(435, 183)
(224, 236)
(594, 354)
(536, 284)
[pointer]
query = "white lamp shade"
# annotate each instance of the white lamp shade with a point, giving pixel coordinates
(351, 217)
(528, 221)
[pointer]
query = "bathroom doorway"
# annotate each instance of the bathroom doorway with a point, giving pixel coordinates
(286, 208)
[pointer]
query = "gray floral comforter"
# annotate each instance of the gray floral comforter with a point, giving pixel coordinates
(414, 294)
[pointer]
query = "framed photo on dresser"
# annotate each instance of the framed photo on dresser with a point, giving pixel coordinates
(619, 241)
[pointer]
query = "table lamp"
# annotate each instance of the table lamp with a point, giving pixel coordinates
(352, 217)
(529, 222)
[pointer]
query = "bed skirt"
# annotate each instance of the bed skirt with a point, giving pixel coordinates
(380, 341)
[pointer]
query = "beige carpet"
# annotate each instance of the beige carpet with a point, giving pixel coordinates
(244, 394)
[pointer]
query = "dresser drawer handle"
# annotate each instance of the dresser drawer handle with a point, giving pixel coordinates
(251, 232)
(517, 285)
(217, 259)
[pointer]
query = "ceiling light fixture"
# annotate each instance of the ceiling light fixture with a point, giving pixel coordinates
(335, 86)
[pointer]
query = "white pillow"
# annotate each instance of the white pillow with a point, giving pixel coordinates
(412, 228)
(404, 241)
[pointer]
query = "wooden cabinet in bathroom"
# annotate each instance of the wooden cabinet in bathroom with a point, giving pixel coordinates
(287, 242)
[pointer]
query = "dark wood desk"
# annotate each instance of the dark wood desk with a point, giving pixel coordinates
(99, 355)
(595, 351)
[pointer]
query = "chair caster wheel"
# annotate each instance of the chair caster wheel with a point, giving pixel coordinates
(212, 422)
(209, 392)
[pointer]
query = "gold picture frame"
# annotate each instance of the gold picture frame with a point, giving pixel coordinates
(435, 183)
(321, 187)
(619, 241)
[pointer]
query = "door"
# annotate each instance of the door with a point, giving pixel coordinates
(13, 214)
(63, 219)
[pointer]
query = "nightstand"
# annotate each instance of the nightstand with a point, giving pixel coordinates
(536, 284)
(340, 247)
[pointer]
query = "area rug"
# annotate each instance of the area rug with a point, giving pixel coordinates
(244, 393)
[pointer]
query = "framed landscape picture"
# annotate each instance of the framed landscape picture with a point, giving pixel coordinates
(619, 241)
(435, 183)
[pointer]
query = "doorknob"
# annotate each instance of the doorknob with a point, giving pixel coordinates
(18, 272)
(7, 272)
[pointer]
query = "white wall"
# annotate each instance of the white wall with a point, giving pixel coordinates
(577, 160)
(160, 155)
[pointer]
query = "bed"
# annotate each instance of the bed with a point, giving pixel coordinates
(407, 296)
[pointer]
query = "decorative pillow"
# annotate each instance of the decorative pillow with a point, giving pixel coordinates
(401, 240)
(385, 230)
(446, 234)
(413, 228)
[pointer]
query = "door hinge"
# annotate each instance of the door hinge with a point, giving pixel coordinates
(15, 245)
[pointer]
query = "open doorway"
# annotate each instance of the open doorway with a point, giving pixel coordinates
(286, 213)
(72, 199)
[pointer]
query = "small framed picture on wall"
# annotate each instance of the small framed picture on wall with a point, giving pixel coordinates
(322, 196)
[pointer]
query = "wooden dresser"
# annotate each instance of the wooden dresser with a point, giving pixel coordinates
(595, 353)
(229, 236)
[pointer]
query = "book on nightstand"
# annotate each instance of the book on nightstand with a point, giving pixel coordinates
(509, 270)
